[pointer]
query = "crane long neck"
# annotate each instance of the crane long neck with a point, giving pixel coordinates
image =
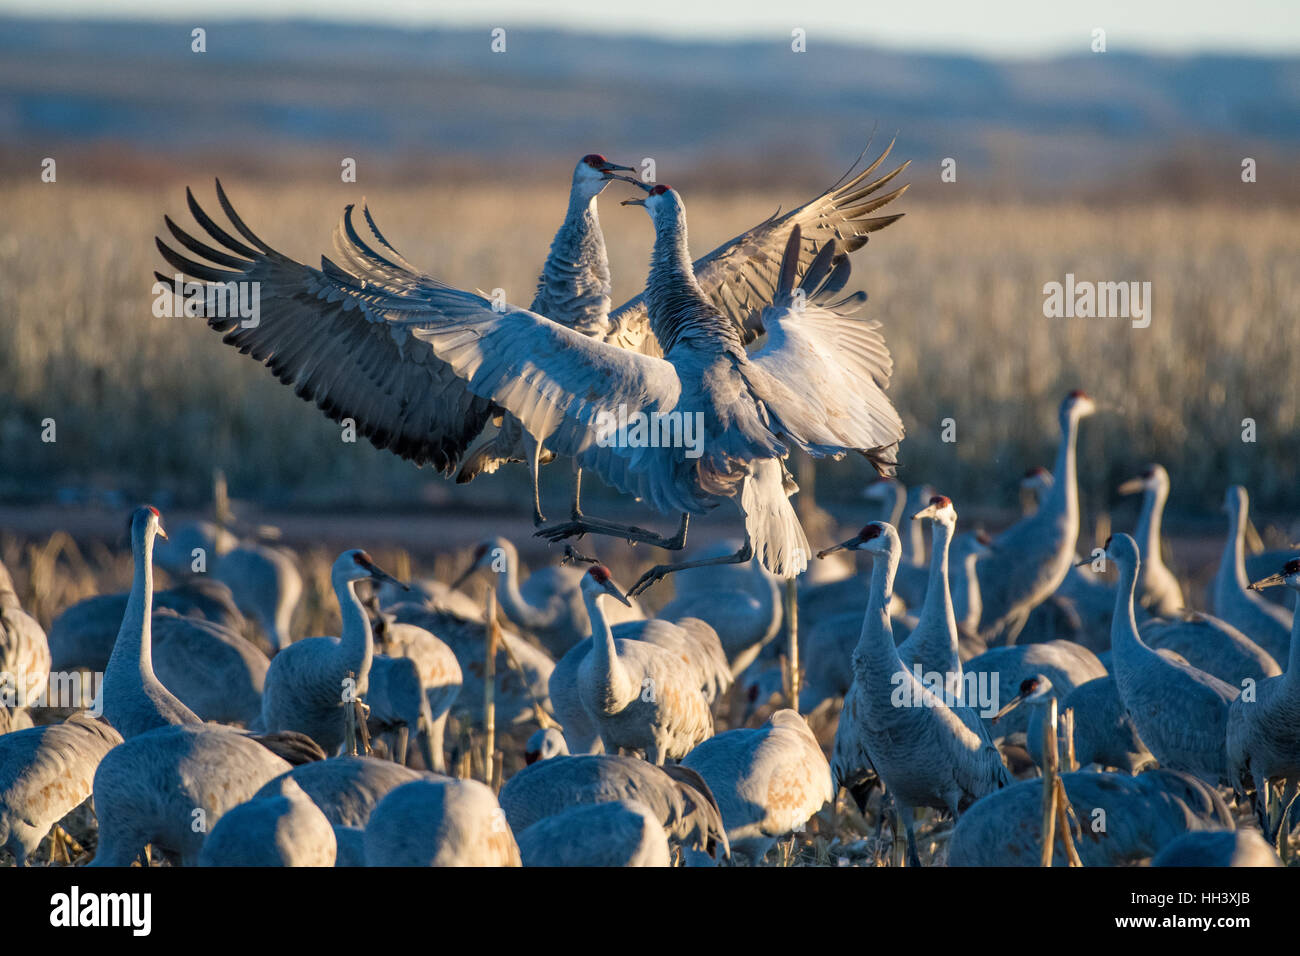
(1232, 565)
(512, 600)
(1124, 639)
(937, 610)
(1293, 656)
(1063, 498)
(678, 309)
(1148, 528)
(575, 284)
(136, 633)
(615, 688)
(356, 643)
(876, 652)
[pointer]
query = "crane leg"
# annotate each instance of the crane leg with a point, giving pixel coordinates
(576, 511)
(909, 826)
(534, 467)
(661, 571)
(630, 533)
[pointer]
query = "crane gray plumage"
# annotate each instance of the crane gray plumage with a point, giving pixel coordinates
(678, 797)
(1143, 814)
(546, 744)
(517, 691)
(549, 604)
(24, 650)
(340, 336)
(1159, 592)
(620, 833)
(640, 695)
(1211, 645)
(1103, 733)
(45, 773)
(768, 781)
(1265, 623)
(1263, 733)
(1031, 558)
(1066, 664)
(1180, 712)
(216, 673)
(84, 634)
(307, 682)
(440, 678)
(440, 823)
(264, 581)
(154, 787)
(285, 829)
(347, 788)
(135, 701)
(913, 576)
(1217, 848)
(925, 754)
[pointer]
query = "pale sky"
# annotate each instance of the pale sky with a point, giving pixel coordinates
(994, 28)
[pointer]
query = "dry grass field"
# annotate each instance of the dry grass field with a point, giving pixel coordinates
(149, 406)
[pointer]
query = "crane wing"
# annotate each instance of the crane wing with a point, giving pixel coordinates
(822, 371)
(740, 276)
(339, 335)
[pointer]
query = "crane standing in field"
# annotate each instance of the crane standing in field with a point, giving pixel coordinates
(418, 365)
(923, 752)
(1264, 733)
(1267, 624)
(1159, 592)
(1180, 712)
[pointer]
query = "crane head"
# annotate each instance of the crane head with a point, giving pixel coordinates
(654, 196)
(1123, 550)
(939, 509)
(1289, 575)
(1149, 478)
(874, 537)
(149, 518)
(594, 172)
(357, 565)
(598, 581)
(1032, 689)
(1078, 404)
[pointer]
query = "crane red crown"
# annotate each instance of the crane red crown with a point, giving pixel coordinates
(599, 573)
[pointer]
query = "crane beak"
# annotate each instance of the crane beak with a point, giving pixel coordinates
(842, 546)
(1131, 487)
(465, 576)
(1012, 704)
(632, 202)
(612, 589)
(161, 532)
(1079, 564)
(379, 574)
(1273, 580)
(927, 512)
(610, 168)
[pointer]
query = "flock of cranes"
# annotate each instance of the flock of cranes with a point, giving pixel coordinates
(931, 681)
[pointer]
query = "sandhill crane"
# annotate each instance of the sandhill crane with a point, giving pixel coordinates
(922, 751)
(1140, 816)
(913, 570)
(264, 581)
(217, 674)
(1263, 622)
(135, 701)
(620, 833)
(639, 695)
(433, 594)
(45, 772)
(690, 640)
(545, 744)
(1159, 592)
(767, 781)
(350, 843)
(933, 644)
(309, 680)
(1211, 645)
(678, 797)
(169, 787)
(347, 788)
(397, 705)
(522, 669)
(1032, 557)
(14, 718)
(1103, 733)
(24, 651)
(1004, 669)
(440, 823)
(1180, 712)
(439, 674)
(1262, 564)
(1217, 848)
(376, 298)
(1264, 728)
(963, 583)
(84, 634)
(286, 829)
(549, 604)
(743, 607)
